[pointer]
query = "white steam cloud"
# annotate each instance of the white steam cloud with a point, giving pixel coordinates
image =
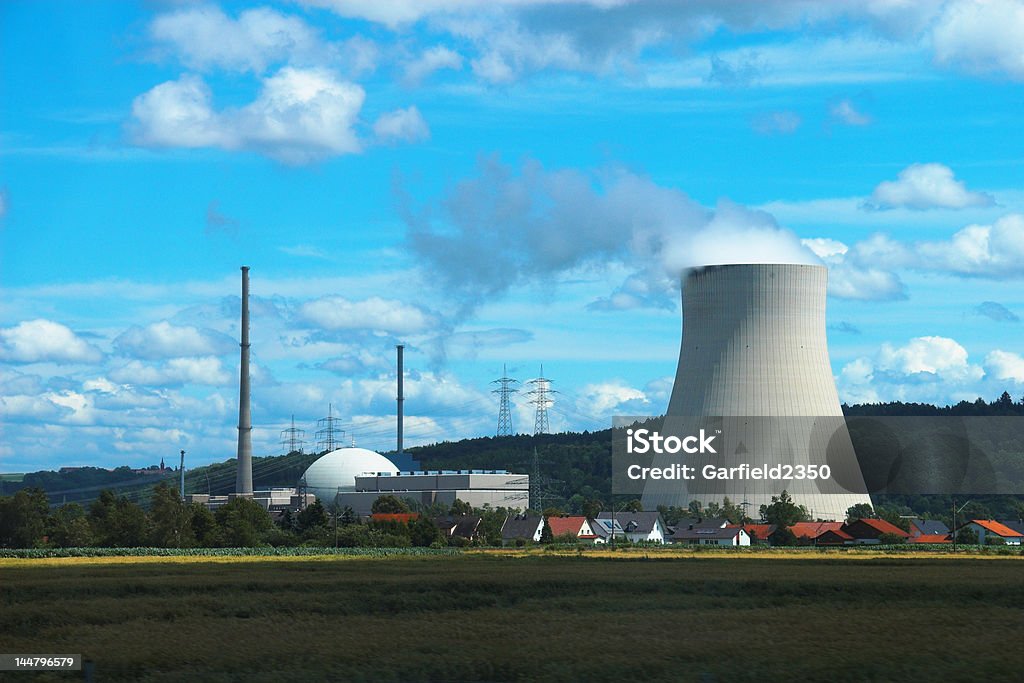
(505, 227)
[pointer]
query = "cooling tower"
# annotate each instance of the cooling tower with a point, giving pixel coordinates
(754, 353)
(243, 476)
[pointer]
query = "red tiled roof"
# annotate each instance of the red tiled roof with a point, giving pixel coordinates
(883, 527)
(995, 527)
(837, 532)
(814, 529)
(566, 525)
(761, 531)
(403, 517)
(930, 538)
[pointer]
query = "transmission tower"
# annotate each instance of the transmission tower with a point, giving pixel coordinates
(540, 393)
(504, 390)
(328, 433)
(540, 485)
(292, 439)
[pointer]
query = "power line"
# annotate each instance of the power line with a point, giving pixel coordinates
(504, 390)
(540, 392)
(292, 439)
(328, 431)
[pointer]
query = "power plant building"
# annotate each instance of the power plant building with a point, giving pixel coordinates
(754, 354)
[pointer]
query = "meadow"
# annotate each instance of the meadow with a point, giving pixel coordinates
(521, 616)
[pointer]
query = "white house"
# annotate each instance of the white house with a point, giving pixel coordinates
(636, 526)
(708, 535)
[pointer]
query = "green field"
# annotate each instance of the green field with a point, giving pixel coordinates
(528, 618)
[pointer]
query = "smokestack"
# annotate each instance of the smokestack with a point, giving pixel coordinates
(401, 394)
(181, 469)
(243, 479)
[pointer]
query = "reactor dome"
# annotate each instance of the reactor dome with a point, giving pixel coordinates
(337, 470)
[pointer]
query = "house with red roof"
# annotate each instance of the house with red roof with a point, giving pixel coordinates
(820, 533)
(988, 529)
(931, 539)
(578, 526)
(871, 530)
(402, 517)
(759, 533)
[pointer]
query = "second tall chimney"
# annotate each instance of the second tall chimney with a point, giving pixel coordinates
(401, 395)
(243, 478)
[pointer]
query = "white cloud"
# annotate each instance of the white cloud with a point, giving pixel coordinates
(844, 111)
(939, 356)
(982, 36)
(205, 37)
(299, 116)
(436, 58)
(1005, 365)
(777, 123)
(36, 341)
(610, 398)
(926, 186)
(848, 281)
(338, 313)
(406, 125)
(824, 247)
(980, 250)
(176, 371)
(3, 203)
(164, 340)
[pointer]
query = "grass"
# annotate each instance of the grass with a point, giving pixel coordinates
(522, 617)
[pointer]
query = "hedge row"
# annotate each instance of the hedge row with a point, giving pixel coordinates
(37, 553)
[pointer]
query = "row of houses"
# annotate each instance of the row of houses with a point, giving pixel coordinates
(651, 527)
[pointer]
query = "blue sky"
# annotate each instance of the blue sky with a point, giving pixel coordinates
(511, 182)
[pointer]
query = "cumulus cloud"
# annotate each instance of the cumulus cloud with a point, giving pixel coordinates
(503, 227)
(979, 250)
(932, 368)
(926, 186)
(401, 125)
(1005, 365)
(164, 340)
(435, 59)
(996, 311)
(204, 37)
(982, 36)
(845, 112)
(174, 372)
(612, 398)
(299, 116)
(777, 123)
(338, 313)
(40, 341)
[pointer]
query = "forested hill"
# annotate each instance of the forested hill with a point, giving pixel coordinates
(571, 463)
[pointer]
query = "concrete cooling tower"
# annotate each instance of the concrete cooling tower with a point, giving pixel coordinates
(754, 370)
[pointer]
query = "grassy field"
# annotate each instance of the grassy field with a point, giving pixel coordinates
(521, 617)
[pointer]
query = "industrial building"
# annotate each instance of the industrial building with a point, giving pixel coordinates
(494, 488)
(754, 352)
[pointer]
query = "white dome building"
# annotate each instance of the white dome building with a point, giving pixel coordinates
(336, 471)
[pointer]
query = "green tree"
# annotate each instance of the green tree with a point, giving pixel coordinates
(311, 517)
(170, 519)
(23, 518)
(349, 516)
(204, 526)
(243, 522)
(783, 512)
(460, 507)
(389, 505)
(634, 506)
(69, 527)
(118, 522)
(891, 539)
(423, 532)
(592, 507)
(546, 536)
(967, 536)
(860, 511)
(734, 513)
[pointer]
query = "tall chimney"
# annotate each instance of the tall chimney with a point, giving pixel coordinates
(401, 394)
(181, 470)
(243, 478)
